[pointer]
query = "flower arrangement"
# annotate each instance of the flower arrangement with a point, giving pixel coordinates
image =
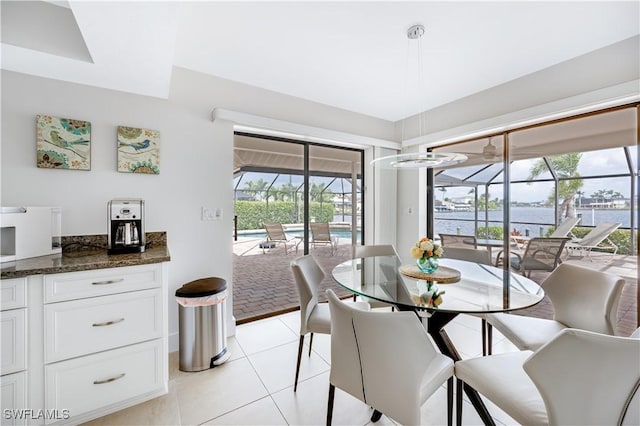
(426, 252)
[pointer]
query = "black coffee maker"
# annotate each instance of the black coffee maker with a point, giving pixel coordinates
(126, 226)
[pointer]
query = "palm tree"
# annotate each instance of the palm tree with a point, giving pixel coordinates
(580, 194)
(564, 166)
(320, 193)
(256, 188)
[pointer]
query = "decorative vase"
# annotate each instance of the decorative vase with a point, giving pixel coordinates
(428, 265)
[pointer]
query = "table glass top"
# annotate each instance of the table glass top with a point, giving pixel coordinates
(479, 290)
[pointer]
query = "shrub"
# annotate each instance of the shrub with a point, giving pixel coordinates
(252, 214)
(493, 233)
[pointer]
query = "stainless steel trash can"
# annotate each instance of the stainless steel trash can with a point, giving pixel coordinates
(202, 324)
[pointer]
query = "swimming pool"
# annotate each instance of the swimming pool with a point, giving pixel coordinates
(260, 234)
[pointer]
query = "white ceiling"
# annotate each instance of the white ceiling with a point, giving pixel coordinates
(350, 55)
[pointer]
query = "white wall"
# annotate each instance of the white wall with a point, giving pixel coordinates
(195, 159)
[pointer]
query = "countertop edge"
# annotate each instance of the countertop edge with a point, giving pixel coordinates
(115, 261)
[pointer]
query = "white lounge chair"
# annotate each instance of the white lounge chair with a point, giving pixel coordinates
(598, 238)
(321, 235)
(276, 235)
(565, 227)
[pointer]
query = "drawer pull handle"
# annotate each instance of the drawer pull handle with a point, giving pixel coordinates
(119, 280)
(109, 380)
(102, 324)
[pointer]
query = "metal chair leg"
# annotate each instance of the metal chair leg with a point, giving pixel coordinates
(332, 391)
(484, 336)
(459, 392)
(450, 401)
(295, 384)
(310, 344)
(489, 339)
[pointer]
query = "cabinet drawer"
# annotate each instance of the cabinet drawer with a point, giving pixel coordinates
(13, 389)
(13, 293)
(91, 382)
(80, 327)
(14, 341)
(100, 282)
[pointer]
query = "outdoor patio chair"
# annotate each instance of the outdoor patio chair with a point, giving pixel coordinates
(454, 240)
(321, 235)
(276, 235)
(578, 378)
(565, 227)
(597, 238)
(541, 254)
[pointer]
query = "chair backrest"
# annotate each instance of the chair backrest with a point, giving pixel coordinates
(374, 250)
(308, 275)
(394, 353)
(454, 240)
(584, 298)
(275, 231)
(597, 235)
(345, 360)
(546, 251)
(320, 231)
(586, 378)
(470, 255)
(565, 227)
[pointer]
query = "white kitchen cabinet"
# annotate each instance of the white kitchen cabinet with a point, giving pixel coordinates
(13, 293)
(81, 345)
(95, 381)
(105, 339)
(13, 389)
(99, 282)
(81, 327)
(14, 341)
(13, 350)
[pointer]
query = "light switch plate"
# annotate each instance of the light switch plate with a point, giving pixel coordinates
(208, 213)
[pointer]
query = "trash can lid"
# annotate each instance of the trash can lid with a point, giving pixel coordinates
(202, 287)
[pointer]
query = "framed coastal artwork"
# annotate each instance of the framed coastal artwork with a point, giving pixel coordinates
(138, 150)
(63, 143)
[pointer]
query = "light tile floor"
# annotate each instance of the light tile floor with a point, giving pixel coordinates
(255, 387)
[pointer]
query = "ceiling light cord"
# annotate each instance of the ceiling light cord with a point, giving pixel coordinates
(420, 159)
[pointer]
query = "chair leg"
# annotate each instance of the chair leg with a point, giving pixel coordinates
(332, 391)
(459, 392)
(310, 344)
(295, 384)
(489, 339)
(484, 336)
(450, 401)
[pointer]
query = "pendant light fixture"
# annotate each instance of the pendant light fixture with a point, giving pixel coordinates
(420, 159)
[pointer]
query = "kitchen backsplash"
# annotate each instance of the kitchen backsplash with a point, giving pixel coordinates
(92, 242)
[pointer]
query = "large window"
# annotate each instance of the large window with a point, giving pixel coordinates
(584, 167)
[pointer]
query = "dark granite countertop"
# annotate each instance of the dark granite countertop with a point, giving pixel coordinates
(88, 255)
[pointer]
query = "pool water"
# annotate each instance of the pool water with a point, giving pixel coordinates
(298, 233)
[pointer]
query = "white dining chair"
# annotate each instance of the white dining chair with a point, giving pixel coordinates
(314, 316)
(578, 378)
(482, 257)
(386, 360)
(370, 251)
(582, 298)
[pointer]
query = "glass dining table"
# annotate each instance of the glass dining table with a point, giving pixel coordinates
(465, 288)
